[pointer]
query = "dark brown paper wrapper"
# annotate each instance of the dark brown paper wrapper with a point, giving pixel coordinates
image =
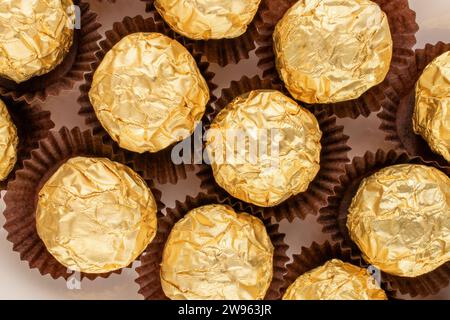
(33, 124)
(158, 166)
(402, 21)
(334, 219)
(149, 272)
(223, 51)
(397, 111)
(66, 74)
(317, 255)
(22, 194)
(333, 157)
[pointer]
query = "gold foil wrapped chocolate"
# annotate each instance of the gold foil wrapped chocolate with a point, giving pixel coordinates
(264, 148)
(400, 219)
(330, 51)
(208, 19)
(95, 215)
(214, 253)
(8, 142)
(148, 92)
(431, 117)
(35, 36)
(335, 280)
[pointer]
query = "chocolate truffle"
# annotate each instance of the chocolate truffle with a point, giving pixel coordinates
(400, 219)
(264, 148)
(335, 280)
(330, 51)
(148, 92)
(214, 253)
(35, 36)
(8, 143)
(95, 215)
(208, 19)
(431, 117)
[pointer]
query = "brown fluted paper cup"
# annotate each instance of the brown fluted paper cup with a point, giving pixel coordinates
(332, 159)
(22, 194)
(68, 72)
(397, 111)
(158, 166)
(334, 219)
(402, 22)
(224, 51)
(149, 272)
(33, 124)
(317, 255)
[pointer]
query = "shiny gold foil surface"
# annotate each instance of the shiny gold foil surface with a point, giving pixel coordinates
(214, 253)
(95, 215)
(208, 19)
(148, 92)
(332, 50)
(8, 142)
(431, 117)
(335, 280)
(264, 148)
(35, 36)
(400, 219)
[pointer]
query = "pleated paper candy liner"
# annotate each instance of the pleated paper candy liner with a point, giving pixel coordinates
(397, 111)
(22, 194)
(334, 219)
(68, 72)
(333, 157)
(33, 124)
(317, 255)
(222, 51)
(158, 166)
(402, 22)
(149, 272)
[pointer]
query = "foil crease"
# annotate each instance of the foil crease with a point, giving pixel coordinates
(431, 117)
(400, 219)
(213, 253)
(95, 215)
(148, 92)
(35, 36)
(9, 142)
(330, 51)
(335, 280)
(290, 136)
(208, 19)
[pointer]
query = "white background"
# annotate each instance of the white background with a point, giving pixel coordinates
(17, 281)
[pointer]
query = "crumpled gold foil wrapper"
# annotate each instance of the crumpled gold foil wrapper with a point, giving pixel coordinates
(400, 219)
(8, 142)
(331, 51)
(213, 253)
(208, 19)
(148, 92)
(431, 117)
(35, 36)
(95, 215)
(335, 280)
(276, 153)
